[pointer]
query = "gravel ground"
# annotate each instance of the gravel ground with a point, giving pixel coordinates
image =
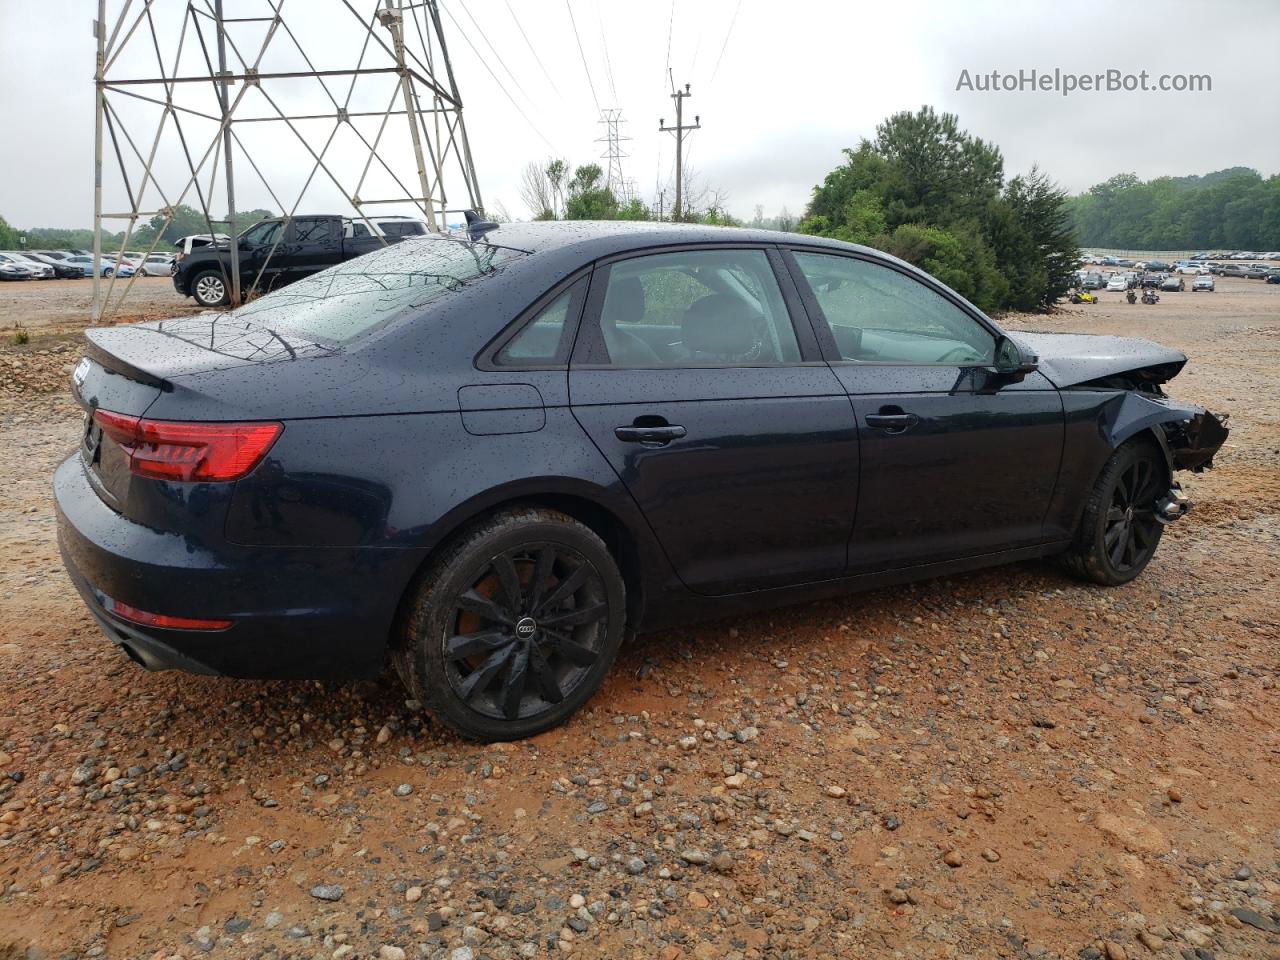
(1003, 764)
(46, 306)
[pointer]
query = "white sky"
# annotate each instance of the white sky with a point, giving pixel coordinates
(779, 94)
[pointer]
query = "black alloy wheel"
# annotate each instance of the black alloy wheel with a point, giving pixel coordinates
(1119, 529)
(513, 625)
(1132, 530)
(528, 631)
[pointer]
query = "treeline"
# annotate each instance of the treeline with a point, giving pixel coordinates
(927, 191)
(1234, 208)
(183, 222)
(552, 192)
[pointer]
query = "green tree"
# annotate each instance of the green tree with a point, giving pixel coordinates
(929, 192)
(589, 198)
(8, 236)
(1231, 208)
(557, 170)
(939, 173)
(635, 209)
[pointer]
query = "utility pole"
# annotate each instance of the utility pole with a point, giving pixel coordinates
(679, 130)
(224, 103)
(662, 196)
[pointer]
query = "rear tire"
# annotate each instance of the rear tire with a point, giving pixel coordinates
(514, 626)
(209, 289)
(1119, 532)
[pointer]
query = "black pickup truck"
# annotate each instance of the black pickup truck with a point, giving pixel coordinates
(279, 251)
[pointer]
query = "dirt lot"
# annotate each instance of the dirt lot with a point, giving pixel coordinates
(1005, 764)
(49, 306)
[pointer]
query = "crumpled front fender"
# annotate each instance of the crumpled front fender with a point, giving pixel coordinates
(1189, 435)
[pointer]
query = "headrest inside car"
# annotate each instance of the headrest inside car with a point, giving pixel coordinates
(624, 303)
(719, 325)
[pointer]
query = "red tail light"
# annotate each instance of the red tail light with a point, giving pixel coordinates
(148, 619)
(198, 452)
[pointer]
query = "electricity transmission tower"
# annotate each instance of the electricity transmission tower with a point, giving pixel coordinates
(351, 106)
(611, 118)
(681, 131)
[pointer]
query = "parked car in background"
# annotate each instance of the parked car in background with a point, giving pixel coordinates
(1131, 279)
(39, 270)
(106, 268)
(1158, 266)
(1152, 280)
(185, 245)
(1273, 276)
(1191, 269)
(14, 268)
(1256, 271)
(1117, 282)
(158, 265)
(488, 462)
(282, 250)
(1230, 270)
(1173, 283)
(1203, 282)
(61, 269)
(1093, 281)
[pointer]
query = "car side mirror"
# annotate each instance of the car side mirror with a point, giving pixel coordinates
(1012, 362)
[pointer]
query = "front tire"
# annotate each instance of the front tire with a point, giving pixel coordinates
(514, 626)
(209, 289)
(1119, 532)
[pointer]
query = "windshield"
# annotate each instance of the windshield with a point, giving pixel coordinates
(352, 298)
(264, 232)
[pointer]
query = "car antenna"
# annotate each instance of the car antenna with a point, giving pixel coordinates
(477, 228)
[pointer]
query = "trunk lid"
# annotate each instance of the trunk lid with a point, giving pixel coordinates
(126, 369)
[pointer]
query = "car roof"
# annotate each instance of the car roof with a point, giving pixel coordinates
(607, 237)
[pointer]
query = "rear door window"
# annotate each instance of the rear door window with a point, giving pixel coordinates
(696, 308)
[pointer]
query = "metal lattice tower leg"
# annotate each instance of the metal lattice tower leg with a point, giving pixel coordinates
(187, 90)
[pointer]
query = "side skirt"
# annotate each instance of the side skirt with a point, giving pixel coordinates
(679, 607)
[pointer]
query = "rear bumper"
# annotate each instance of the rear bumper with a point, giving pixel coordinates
(308, 613)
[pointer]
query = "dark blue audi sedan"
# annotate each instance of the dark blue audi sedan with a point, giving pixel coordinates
(486, 460)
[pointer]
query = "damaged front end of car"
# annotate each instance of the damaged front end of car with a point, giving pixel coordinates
(1132, 372)
(1189, 435)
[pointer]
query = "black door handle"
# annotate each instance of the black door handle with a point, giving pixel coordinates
(653, 436)
(892, 422)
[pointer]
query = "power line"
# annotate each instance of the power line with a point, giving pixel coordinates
(497, 56)
(530, 45)
(727, 34)
(670, 23)
(608, 63)
(583, 54)
(485, 64)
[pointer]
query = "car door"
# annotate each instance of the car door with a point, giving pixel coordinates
(311, 244)
(698, 377)
(955, 460)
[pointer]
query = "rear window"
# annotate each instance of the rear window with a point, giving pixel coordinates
(345, 301)
(405, 228)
